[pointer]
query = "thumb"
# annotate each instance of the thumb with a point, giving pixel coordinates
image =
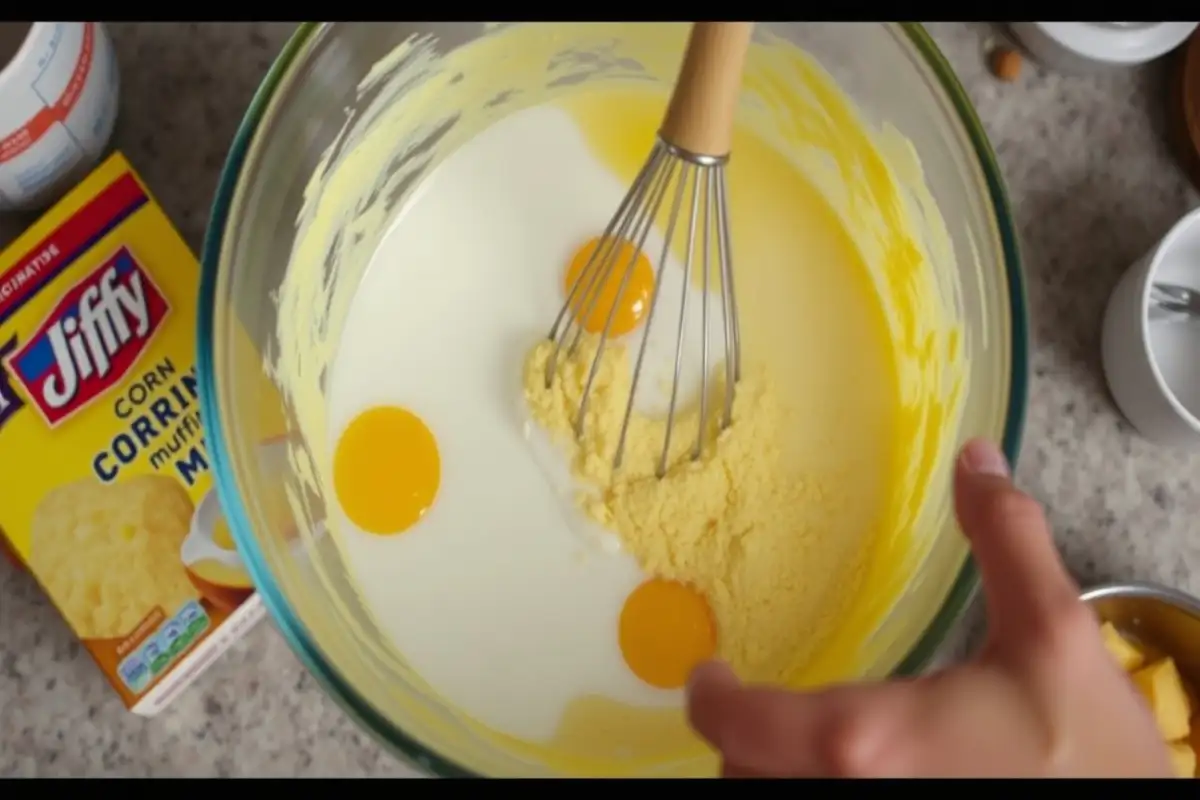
(1024, 581)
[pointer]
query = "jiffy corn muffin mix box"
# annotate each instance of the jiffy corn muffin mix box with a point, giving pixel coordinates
(105, 491)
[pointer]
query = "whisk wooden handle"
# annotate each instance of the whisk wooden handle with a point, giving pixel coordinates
(699, 117)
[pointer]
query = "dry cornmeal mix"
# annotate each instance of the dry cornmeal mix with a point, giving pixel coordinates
(725, 523)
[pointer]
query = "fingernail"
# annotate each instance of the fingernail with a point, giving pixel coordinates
(984, 458)
(712, 673)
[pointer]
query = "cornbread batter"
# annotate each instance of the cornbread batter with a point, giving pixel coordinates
(806, 523)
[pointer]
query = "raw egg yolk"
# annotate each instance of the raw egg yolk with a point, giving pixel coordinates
(602, 295)
(222, 537)
(386, 470)
(666, 629)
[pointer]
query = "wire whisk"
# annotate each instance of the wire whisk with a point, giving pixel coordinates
(687, 160)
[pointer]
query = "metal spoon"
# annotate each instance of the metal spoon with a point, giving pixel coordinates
(1172, 303)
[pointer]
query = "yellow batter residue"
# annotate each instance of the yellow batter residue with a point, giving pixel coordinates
(861, 187)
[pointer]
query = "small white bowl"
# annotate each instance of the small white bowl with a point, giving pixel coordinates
(1086, 46)
(1153, 367)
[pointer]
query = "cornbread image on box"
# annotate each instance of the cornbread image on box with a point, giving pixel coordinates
(105, 491)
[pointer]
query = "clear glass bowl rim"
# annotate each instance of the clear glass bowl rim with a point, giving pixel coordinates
(360, 709)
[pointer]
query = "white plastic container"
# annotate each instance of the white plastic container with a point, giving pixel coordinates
(1083, 46)
(58, 102)
(1153, 367)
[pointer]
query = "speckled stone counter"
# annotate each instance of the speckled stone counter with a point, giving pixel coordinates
(1093, 186)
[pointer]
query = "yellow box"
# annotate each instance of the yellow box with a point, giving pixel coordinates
(107, 497)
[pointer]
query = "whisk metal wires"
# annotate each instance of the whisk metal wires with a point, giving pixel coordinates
(686, 163)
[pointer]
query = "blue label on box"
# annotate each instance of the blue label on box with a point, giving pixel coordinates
(160, 650)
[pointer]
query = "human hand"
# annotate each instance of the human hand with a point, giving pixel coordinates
(1043, 698)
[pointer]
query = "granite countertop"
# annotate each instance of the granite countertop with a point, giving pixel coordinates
(1093, 186)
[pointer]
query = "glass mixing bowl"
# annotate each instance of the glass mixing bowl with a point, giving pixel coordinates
(893, 72)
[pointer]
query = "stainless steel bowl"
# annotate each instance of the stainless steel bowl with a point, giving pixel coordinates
(1163, 618)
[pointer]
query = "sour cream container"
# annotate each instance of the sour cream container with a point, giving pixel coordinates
(1084, 46)
(58, 102)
